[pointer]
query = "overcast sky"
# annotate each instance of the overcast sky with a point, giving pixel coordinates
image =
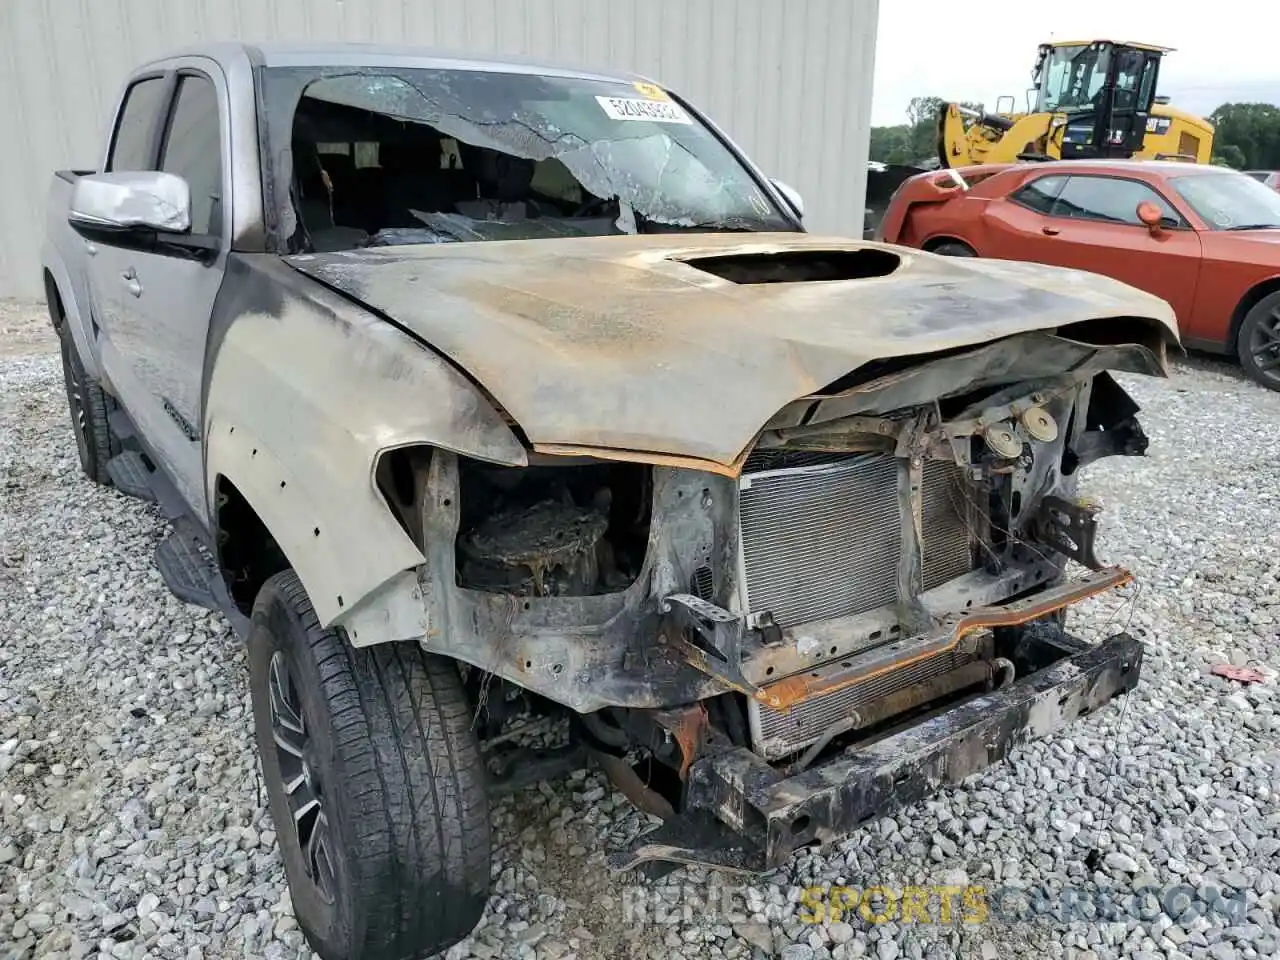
(1225, 50)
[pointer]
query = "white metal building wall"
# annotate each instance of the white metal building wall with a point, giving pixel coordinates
(790, 80)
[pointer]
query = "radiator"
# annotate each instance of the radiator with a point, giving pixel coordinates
(955, 522)
(821, 538)
(821, 534)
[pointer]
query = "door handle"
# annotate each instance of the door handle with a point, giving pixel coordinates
(130, 278)
(1050, 231)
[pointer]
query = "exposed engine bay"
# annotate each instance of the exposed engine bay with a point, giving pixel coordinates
(825, 599)
(553, 531)
(805, 546)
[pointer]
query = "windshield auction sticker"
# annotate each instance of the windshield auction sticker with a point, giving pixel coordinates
(651, 90)
(655, 111)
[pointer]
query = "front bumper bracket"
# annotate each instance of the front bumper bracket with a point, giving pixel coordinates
(744, 815)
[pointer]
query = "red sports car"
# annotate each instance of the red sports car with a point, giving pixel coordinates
(1205, 238)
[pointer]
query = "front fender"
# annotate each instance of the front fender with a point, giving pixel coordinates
(304, 391)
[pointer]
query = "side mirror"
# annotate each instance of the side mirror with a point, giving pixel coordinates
(792, 197)
(1150, 215)
(125, 202)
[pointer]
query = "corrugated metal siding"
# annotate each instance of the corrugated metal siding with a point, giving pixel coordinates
(790, 81)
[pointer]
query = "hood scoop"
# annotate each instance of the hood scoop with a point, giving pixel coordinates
(798, 266)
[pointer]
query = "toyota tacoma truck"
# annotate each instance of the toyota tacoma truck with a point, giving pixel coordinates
(490, 396)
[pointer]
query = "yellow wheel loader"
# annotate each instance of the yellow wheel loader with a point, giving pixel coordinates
(1093, 99)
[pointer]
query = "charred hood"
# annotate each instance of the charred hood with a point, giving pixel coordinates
(687, 346)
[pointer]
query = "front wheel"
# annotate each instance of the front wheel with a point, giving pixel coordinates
(375, 784)
(1259, 342)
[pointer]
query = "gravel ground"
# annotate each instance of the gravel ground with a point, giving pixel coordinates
(133, 823)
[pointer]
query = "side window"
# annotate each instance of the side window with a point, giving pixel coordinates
(193, 150)
(1039, 194)
(133, 146)
(1110, 199)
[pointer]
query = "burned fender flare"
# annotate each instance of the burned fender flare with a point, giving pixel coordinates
(303, 395)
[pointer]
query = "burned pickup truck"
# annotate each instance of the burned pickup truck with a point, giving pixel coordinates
(485, 394)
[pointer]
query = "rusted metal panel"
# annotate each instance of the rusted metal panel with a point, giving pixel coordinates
(801, 687)
(746, 816)
(888, 656)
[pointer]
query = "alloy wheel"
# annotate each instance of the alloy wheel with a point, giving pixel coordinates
(75, 394)
(303, 786)
(1264, 345)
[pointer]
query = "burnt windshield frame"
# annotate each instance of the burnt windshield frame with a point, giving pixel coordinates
(281, 88)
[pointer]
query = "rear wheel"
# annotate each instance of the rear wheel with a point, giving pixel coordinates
(89, 405)
(954, 248)
(1259, 342)
(375, 784)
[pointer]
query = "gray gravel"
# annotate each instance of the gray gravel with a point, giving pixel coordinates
(132, 822)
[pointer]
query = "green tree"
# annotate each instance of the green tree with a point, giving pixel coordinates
(1247, 135)
(1228, 155)
(892, 144)
(922, 110)
(913, 141)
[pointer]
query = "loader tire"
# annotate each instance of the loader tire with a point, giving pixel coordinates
(374, 780)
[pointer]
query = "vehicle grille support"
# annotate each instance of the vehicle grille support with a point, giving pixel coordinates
(835, 535)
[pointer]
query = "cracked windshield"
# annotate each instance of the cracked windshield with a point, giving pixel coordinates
(437, 156)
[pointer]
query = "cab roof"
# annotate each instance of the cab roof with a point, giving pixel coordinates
(352, 54)
(1115, 43)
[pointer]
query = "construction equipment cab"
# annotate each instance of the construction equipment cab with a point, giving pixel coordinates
(1093, 99)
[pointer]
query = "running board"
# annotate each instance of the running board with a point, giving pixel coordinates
(191, 573)
(120, 425)
(129, 474)
(185, 558)
(187, 571)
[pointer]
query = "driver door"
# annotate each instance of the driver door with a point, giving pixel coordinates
(1091, 223)
(154, 305)
(1094, 225)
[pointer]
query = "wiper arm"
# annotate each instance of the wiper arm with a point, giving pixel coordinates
(731, 224)
(1255, 226)
(720, 226)
(651, 224)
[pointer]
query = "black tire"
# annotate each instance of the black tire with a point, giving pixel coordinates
(392, 861)
(88, 405)
(954, 248)
(1258, 344)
